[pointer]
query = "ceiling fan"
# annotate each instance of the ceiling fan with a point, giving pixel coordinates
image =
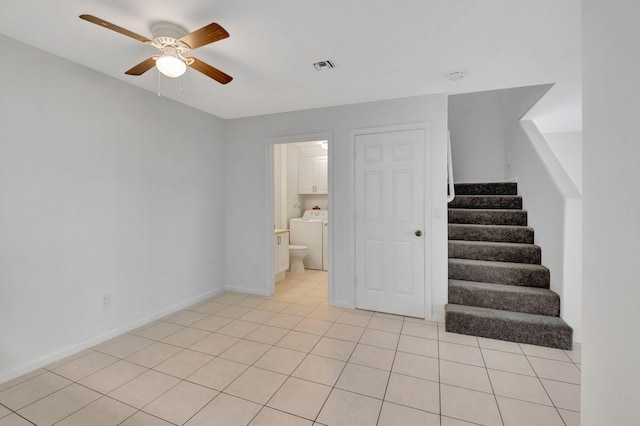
(173, 41)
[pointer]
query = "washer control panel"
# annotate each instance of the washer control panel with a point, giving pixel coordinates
(315, 215)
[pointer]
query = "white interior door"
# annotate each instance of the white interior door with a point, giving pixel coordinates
(390, 255)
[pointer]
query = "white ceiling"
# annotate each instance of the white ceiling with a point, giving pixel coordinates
(382, 49)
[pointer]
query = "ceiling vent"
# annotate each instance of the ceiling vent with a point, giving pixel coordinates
(324, 65)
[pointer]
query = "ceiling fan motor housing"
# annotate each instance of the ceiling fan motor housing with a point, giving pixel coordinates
(168, 29)
(167, 34)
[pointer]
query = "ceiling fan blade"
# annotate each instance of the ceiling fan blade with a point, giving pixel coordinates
(208, 70)
(113, 27)
(205, 35)
(143, 66)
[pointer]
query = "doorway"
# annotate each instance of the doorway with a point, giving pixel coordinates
(300, 175)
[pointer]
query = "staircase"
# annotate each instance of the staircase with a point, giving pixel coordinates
(497, 286)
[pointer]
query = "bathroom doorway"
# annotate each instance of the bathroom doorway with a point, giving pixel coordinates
(300, 182)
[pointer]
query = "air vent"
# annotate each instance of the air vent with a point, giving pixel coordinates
(324, 65)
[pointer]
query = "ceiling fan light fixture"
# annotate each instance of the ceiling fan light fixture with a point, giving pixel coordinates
(171, 65)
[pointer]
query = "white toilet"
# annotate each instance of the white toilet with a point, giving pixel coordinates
(296, 255)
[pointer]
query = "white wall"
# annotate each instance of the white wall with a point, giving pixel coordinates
(477, 141)
(554, 210)
(611, 173)
(479, 124)
(248, 262)
(311, 201)
(98, 196)
(567, 147)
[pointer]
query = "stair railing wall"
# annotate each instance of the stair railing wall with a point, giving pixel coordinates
(452, 191)
(554, 208)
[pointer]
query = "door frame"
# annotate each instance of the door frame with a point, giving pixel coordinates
(270, 284)
(428, 194)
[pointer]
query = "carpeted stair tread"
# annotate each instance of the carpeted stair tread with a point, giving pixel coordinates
(496, 233)
(490, 188)
(512, 202)
(488, 216)
(495, 251)
(539, 301)
(508, 273)
(497, 285)
(520, 327)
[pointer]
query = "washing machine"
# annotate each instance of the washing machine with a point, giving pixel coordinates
(310, 230)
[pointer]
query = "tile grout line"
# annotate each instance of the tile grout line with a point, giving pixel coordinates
(253, 365)
(461, 387)
(386, 388)
(185, 379)
(290, 375)
(495, 397)
(341, 372)
(544, 388)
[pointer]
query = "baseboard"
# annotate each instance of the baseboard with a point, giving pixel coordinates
(70, 350)
(246, 290)
(341, 304)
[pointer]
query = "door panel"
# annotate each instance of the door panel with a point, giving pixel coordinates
(322, 175)
(390, 264)
(306, 176)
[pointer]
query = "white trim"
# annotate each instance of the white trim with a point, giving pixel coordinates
(452, 188)
(269, 283)
(245, 290)
(73, 349)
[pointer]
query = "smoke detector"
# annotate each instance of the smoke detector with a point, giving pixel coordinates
(324, 65)
(456, 76)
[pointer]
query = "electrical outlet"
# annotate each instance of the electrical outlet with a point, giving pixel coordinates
(105, 301)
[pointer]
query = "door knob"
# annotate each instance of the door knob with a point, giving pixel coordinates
(418, 233)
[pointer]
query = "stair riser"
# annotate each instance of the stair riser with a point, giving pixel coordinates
(495, 188)
(478, 233)
(500, 275)
(488, 217)
(531, 304)
(529, 254)
(486, 202)
(533, 334)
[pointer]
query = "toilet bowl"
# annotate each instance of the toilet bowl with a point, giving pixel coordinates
(296, 255)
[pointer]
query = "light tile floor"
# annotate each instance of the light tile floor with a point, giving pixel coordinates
(291, 359)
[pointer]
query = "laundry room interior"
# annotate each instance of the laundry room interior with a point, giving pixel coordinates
(301, 204)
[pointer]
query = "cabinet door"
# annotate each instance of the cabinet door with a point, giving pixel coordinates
(322, 173)
(283, 258)
(306, 176)
(276, 254)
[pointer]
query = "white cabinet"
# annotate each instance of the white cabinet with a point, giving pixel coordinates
(281, 253)
(313, 175)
